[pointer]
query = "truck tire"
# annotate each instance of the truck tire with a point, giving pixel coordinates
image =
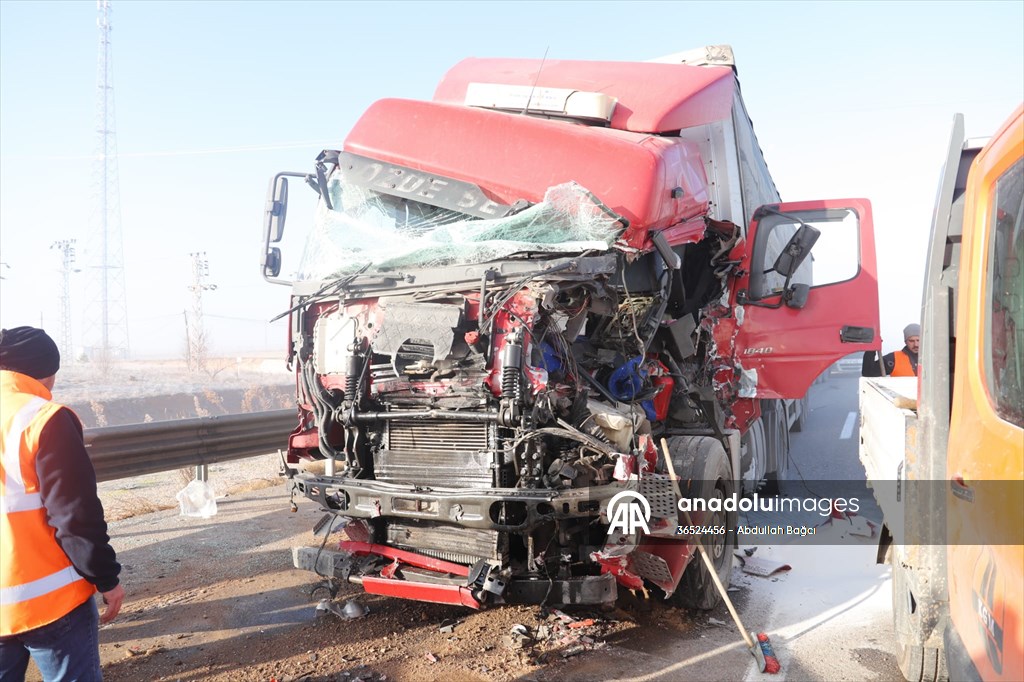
(701, 462)
(754, 457)
(916, 662)
(777, 437)
(801, 419)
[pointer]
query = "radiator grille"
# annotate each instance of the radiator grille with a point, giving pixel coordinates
(437, 453)
(459, 545)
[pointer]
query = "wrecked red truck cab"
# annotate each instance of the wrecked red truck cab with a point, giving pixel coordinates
(511, 296)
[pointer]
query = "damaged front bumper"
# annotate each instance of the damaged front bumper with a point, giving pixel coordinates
(442, 582)
(499, 509)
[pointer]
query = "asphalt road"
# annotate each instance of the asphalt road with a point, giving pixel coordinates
(829, 616)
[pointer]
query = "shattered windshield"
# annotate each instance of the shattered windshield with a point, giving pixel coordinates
(385, 233)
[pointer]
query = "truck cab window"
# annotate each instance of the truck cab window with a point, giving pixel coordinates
(834, 258)
(1005, 306)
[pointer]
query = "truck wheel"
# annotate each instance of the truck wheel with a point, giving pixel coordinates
(754, 458)
(701, 460)
(917, 663)
(777, 433)
(801, 420)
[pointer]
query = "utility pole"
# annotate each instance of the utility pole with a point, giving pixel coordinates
(197, 333)
(66, 247)
(107, 310)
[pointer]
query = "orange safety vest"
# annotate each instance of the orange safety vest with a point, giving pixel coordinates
(38, 584)
(902, 368)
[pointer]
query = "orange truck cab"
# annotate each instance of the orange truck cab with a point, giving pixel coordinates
(984, 636)
(945, 451)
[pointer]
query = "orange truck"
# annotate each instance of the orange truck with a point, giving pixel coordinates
(945, 451)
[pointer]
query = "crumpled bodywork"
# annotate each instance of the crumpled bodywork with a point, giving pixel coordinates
(487, 421)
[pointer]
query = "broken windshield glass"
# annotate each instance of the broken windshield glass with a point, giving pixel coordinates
(385, 233)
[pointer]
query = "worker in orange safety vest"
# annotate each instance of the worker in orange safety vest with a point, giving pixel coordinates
(55, 554)
(901, 363)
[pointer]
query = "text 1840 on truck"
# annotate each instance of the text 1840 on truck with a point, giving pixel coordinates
(512, 293)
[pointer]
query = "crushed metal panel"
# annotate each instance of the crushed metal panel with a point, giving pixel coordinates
(748, 383)
(654, 568)
(433, 322)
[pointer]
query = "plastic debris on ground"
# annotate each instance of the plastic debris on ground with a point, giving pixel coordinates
(197, 500)
(350, 611)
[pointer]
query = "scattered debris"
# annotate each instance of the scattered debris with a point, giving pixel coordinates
(582, 623)
(362, 673)
(448, 625)
(431, 657)
(761, 567)
(717, 623)
(352, 609)
(518, 637)
(573, 650)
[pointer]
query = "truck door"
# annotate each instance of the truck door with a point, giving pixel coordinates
(806, 294)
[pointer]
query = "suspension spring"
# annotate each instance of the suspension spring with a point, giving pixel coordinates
(510, 384)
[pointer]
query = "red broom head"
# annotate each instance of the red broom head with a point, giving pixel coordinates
(771, 663)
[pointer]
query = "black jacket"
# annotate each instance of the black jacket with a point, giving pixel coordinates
(67, 486)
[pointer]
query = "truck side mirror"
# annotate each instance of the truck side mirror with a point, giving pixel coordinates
(796, 295)
(277, 209)
(272, 262)
(796, 250)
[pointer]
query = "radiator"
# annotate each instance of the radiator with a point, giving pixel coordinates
(459, 545)
(443, 454)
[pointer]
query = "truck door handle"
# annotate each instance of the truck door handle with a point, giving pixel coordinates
(850, 334)
(961, 489)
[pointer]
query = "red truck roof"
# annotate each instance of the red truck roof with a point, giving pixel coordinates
(652, 97)
(512, 157)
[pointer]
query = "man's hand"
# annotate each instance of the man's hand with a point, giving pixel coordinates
(113, 600)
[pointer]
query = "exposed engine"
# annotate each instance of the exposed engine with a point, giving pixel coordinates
(557, 380)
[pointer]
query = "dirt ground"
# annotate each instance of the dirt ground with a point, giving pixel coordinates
(217, 599)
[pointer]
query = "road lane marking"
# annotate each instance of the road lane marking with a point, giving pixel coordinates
(851, 419)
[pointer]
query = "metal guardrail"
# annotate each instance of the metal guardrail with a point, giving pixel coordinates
(137, 449)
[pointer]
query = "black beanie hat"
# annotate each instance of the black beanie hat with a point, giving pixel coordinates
(30, 351)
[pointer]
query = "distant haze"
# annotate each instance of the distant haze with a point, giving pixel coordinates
(847, 99)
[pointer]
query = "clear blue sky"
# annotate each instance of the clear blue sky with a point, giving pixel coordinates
(213, 98)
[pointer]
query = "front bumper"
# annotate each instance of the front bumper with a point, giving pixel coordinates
(445, 583)
(499, 509)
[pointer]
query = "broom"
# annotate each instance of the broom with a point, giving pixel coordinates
(761, 650)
